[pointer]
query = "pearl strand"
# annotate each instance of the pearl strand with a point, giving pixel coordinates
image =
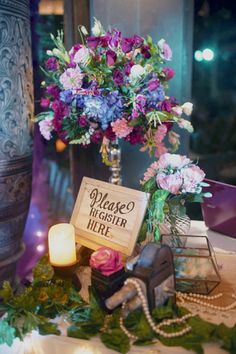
(156, 328)
(196, 298)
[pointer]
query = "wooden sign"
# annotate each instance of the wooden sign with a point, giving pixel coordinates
(108, 215)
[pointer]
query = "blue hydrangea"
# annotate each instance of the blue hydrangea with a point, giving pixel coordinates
(154, 97)
(103, 109)
(66, 96)
(80, 101)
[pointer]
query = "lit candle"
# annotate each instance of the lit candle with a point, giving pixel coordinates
(61, 245)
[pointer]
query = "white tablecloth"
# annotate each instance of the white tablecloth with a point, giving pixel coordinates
(225, 248)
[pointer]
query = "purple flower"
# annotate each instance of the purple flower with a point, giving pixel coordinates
(110, 57)
(53, 91)
(52, 64)
(118, 77)
(115, 38)
(165, 106)
(138, 41)
(82, 121)
(93, 42)
(140, 102)
(136, 136)
(127, 67)
(169, 72)
(145, 51)
(109, 134)
(127, 44)
(104, 40)
(153, 84)
(96, 137)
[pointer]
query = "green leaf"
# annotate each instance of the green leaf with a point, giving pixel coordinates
(97, 315)
(43, 271)
(157, 234)
(117, 340)
(6, 293)
(48, 328)
(150, 185)
(77, 332)
(136, 322)
(143, 232)
(162, 312)
(7, 333)
(228, 336)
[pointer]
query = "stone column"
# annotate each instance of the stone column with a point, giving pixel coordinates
(16, 109)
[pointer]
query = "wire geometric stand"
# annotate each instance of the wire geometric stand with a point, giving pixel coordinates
(196, 268)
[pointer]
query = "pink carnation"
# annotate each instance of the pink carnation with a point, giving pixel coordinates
(192, 177)
(160, 150)
(173, 160)
(71, 78)
(171, 183)
(106, 260)
(120, 128)
(151, 171)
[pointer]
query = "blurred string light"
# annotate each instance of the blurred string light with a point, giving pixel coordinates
(206, 54)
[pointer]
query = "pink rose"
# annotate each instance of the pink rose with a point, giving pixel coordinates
(172, 160)
(192, 177)
(171, 183)
(106, 260)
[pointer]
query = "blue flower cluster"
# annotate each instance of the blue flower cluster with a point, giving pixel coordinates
(154, 97)
(103, 108)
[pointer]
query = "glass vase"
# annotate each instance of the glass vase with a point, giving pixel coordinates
(175, 224)
(115, 160)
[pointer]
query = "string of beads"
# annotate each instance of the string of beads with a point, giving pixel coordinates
(156, 328)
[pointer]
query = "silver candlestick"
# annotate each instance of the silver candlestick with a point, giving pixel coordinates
(115, 158)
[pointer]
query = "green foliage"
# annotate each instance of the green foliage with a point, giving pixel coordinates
(49, 296)
(7, 333)
(117, 340)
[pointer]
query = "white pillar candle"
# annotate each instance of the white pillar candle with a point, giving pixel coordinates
(61, 245)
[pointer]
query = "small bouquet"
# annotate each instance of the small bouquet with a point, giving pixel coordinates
(111, 87)
(172, 181)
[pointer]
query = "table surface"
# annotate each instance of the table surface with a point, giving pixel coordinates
(225, 249)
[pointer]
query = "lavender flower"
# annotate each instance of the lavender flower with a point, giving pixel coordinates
(66, 96)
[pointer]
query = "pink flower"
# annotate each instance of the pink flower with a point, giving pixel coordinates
(166, 52)
(160, 150)
(106, 260)
(173, 161)
(160, 134)
(171, 183)
(120, 128)
(44, 102)
(151, 171)
(46, 127)
(174, 138)
(177, 110)
(82, 56)
(71, 78)
(192, 177)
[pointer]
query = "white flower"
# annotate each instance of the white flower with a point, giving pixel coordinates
(84, 30)
(177, 110)
(187, 108)
(82, 56)
(185, 124)
(97, 28)
(137, 71)
(71, 78)
(46, 127)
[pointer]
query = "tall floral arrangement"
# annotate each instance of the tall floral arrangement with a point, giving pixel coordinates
(173, 181)
(108, 87)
